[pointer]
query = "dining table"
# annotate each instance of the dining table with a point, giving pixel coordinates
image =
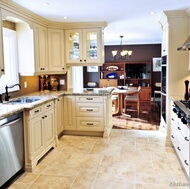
(121, 94)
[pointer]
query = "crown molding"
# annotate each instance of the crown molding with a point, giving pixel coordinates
(77, 25)
(12, 9)
(21, 12)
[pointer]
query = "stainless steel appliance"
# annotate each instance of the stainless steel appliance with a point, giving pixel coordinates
(163, 89)
(11, 146)
(182, 109)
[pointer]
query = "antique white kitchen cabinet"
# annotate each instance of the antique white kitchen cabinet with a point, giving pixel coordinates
(59, 114)
(88, 115)
(180, 136)
(39, 133)
(89, 110)
(56, 50)
(69, 113)
(84, 47)
(41, 48)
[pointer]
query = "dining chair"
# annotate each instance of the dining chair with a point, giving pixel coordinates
(133, 100)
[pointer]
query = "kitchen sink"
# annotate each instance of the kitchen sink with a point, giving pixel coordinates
(24, 100)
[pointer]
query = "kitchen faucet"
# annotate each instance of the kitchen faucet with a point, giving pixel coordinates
(6, 91)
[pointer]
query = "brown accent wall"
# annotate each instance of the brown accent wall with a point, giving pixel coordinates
(140, 53)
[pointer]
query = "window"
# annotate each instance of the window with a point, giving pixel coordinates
(10, 60)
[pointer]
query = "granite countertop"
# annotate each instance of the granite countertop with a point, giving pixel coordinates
(7, 109)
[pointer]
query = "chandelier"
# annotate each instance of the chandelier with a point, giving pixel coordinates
(124, 54)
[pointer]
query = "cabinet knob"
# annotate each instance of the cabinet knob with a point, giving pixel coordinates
(80, 60)
(63, 68)
(178, 148)
(2, 70)
(186, 139)
(85, 60)
(186, 162)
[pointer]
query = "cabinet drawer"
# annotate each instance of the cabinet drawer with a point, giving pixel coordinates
(89, 99)
(89, 124)
(36, 111)
(48, 105)
(88, 109)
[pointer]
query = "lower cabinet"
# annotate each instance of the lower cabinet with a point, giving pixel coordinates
(88, 114)
(145, 94)
(39, 133)
(59, 115)
(69, 113)
(180, 136)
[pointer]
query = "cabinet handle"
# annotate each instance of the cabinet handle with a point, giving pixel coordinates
(80, 60)
(172, 136)
(36, 111)
(85, 60)
(172, 119)
(63, 68)
(179, 128)
(48, 106)
(90, 124)
(178, 148)
(2, 70)
(89, 98)
(186, 162)
(43, 117)
(89, 110)
(186, 139)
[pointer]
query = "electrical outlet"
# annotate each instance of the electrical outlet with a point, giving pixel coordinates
(62, 82)
(25, 84)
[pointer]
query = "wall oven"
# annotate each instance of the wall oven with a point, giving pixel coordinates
(163, 88)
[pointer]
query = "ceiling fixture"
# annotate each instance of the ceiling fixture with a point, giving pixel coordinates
(124, 54)
(45, 3)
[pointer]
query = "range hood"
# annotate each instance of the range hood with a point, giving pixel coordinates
(185, 46)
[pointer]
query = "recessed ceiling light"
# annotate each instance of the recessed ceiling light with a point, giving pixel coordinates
(45, 3)
(152, 12)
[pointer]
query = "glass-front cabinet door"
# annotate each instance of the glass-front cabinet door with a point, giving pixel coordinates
(73, 46)
(84, 47)
(91, 45)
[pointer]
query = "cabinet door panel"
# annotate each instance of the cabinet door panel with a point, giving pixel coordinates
(37, 136)
(56, 49)
(145, 94)
(69, 113)
(49, 127)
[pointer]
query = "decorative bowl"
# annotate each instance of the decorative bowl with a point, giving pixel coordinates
(111, 75)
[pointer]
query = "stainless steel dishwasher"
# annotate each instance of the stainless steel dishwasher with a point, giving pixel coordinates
(11, 146)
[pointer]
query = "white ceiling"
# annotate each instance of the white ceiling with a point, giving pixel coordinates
(132, 19)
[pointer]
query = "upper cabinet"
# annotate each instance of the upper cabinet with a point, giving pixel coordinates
(1, 49)
(41, 48)
(56, 50)
(41, 43)
(84, 47)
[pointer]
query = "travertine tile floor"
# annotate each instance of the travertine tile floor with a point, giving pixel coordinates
(129, 159)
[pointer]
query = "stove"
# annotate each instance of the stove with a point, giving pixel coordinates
(182, 109)
(184, 106)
